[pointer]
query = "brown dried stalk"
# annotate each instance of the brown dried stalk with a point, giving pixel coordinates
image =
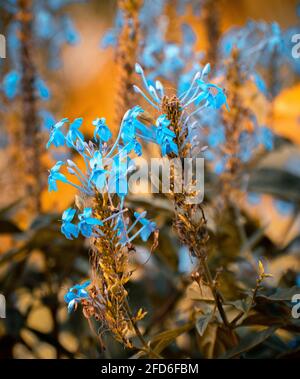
(110, 274)
(31, 131)
(127, 54)
(190, 221)
(234, 122)
(211, 19)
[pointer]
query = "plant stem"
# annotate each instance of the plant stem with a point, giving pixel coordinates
(216, 293)
(138, 333)
(127, 56)
(211, 18)
(31, 137)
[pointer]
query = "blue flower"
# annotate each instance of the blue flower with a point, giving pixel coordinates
(97, 177)
(266, 138)
(133, 128)
(219, 167)
(162, 130)
(260, 83)
(47, 118)
(216, 136)
(129, 124)
(109, 39)
(148, 226)
(42, 89)
(218, 99)
(44, 24)
(134, 145)
(70, 32)
(186, 262)
(120, 228)
(168, 146)
(118, 179)
(76, 294)
(80, 146)
(128, 127)
(285, 208)
(165, 136)
(55, 175)
(173, 62)
(74, 133)
(189, 36)
(253, 198)
(163, 122)
(102, 131)
(111, 36)
(50, 27)
(248, 143)
(209, 155)
(68, 228)
(57, 137)
(87, 222)
(11, 84)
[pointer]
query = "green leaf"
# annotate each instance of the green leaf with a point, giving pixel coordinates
(208, 343)
(200, 292)
(276, 182)
(138, 355)
(164, 339)
(202, 323)
(250, 341)
(216, 340)
(280, 294)
(241, 305)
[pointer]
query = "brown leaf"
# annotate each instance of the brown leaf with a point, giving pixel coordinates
(199, 292)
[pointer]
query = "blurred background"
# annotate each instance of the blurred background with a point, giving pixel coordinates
(37, 264)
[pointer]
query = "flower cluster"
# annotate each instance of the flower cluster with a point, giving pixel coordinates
(234, 137)
(176, 62)
(106, 170)
(168, 60)
(262, 47)
(51, 28)
(101, 215)
(199, 95)
(248, 139)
